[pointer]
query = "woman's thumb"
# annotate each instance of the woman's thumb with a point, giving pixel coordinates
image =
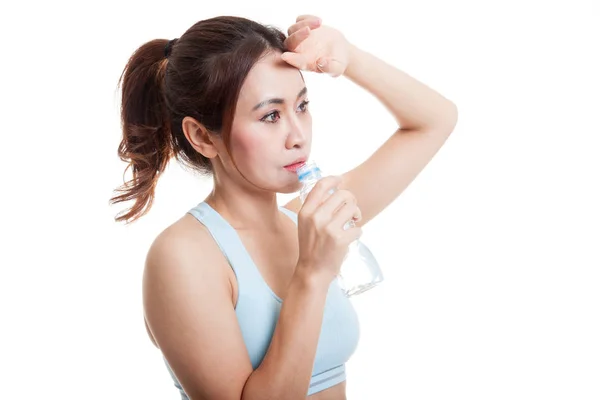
(294, 59)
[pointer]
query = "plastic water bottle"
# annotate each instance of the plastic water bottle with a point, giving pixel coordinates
(359, 271)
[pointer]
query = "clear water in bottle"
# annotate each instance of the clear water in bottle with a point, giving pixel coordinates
(360, 270)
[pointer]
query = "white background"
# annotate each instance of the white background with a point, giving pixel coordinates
(491, 256)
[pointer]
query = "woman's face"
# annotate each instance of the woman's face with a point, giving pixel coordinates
(272, 127)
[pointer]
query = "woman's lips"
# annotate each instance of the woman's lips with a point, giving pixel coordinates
(294, 167)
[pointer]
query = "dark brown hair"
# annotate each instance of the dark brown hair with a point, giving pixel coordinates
(201, 78)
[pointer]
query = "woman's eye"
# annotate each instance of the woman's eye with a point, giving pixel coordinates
(271, 117)
(303, 106)
(274, 116)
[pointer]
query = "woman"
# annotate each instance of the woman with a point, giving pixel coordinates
(239, 294)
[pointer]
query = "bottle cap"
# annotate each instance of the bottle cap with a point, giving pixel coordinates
(308, 170)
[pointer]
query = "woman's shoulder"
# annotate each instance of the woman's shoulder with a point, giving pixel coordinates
(186, 246)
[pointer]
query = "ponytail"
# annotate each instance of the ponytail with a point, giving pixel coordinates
(146, 142)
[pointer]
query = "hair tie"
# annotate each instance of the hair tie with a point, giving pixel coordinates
(169, 46)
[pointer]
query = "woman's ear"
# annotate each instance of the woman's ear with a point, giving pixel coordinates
(199, 137)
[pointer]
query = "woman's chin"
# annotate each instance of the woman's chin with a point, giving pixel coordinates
(292, 187)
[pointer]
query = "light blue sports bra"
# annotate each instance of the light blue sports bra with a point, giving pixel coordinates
(258, 307)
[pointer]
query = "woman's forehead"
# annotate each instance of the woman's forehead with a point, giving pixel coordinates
(271, 77)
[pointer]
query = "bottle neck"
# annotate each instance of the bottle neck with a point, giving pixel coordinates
(310, 181)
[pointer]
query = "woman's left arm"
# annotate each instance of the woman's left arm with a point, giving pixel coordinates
(424, 116)
(425, 120)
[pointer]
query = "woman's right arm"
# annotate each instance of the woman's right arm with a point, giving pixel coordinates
(188, 306)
